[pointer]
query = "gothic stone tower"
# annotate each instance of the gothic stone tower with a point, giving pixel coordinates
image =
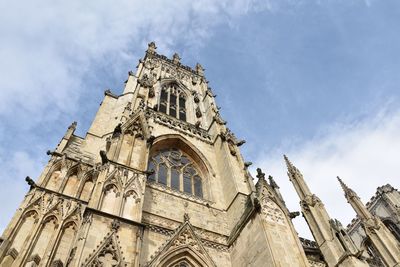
(158, 180)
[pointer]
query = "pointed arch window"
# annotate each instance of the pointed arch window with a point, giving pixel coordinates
(372, 252)
(174, 169)
(182, 264)
(393, 229)
(172, 101)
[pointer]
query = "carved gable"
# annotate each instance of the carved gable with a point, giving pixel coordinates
(108, 253)
(183, 245)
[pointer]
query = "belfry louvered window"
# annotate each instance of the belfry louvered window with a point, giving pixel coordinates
(172, 101)
(174, 169)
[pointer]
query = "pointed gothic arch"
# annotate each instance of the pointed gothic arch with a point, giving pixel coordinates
(109, 201)
(53, 180)
(87, 185)
(184, 246)
(43, 238)
(196, 182)
(393, 228)
(21, 234)
(178, 141)
(130, 205)
(185, 255)
(372, 252)
(108, 253)
(173, 99)
(72, 179)
(129, 139)
(64, 243)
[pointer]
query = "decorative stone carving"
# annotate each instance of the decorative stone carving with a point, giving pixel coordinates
(176, 59)
(103, 156)
(146, 81)
(151, 48)
(108, 254)
(218, 119)
(180, 126)
(198, 112)
(272, 212)
(311, 200)
(117, 131)
(199, 69)
(260, 175)
(184, 237)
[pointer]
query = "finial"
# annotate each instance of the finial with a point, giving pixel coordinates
(176, 59)
(115, 225)
(288, 163)
(342, 184)
(73, 125)
(272, 182)
(186, 217)
(292, 170)
(199, 69)
(348, 192)
(151, 48)
(260, 174)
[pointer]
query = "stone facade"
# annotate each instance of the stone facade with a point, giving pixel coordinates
(159, 180)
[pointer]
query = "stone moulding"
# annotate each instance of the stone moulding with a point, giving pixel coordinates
(177, 193)
(170, 63)
(168, 227)
(180, 126)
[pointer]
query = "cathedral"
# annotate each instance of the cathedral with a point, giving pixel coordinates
(159, 181)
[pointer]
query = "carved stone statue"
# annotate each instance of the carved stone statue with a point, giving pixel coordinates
(117, 131)
(103, 156)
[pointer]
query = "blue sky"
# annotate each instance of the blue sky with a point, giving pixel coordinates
(317, 80)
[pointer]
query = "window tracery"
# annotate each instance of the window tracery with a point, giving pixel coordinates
(372, 252)
(393, 229)
(174, 169)
(181, 264)
(173, 101)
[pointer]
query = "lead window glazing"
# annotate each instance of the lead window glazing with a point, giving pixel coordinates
(173, 101)
(174, 169)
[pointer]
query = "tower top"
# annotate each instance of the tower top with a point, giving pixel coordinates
(176, 60)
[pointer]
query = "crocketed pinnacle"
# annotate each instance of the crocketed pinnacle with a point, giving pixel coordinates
(348, 192)
(292, 170)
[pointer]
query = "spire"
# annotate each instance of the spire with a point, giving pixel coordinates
(289, 164)
(297, 179)
(376, 231)
(355, 201)
(348, 192)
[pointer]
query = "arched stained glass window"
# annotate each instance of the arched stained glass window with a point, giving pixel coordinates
(176, 170)
(162, 174)
(172, 101)
(393, 229)
(372, 252)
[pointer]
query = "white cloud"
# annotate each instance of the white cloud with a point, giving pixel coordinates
(49, 48)
(15, 166)
(365, 154)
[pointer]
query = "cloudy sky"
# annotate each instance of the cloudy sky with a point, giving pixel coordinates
(316, 80)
